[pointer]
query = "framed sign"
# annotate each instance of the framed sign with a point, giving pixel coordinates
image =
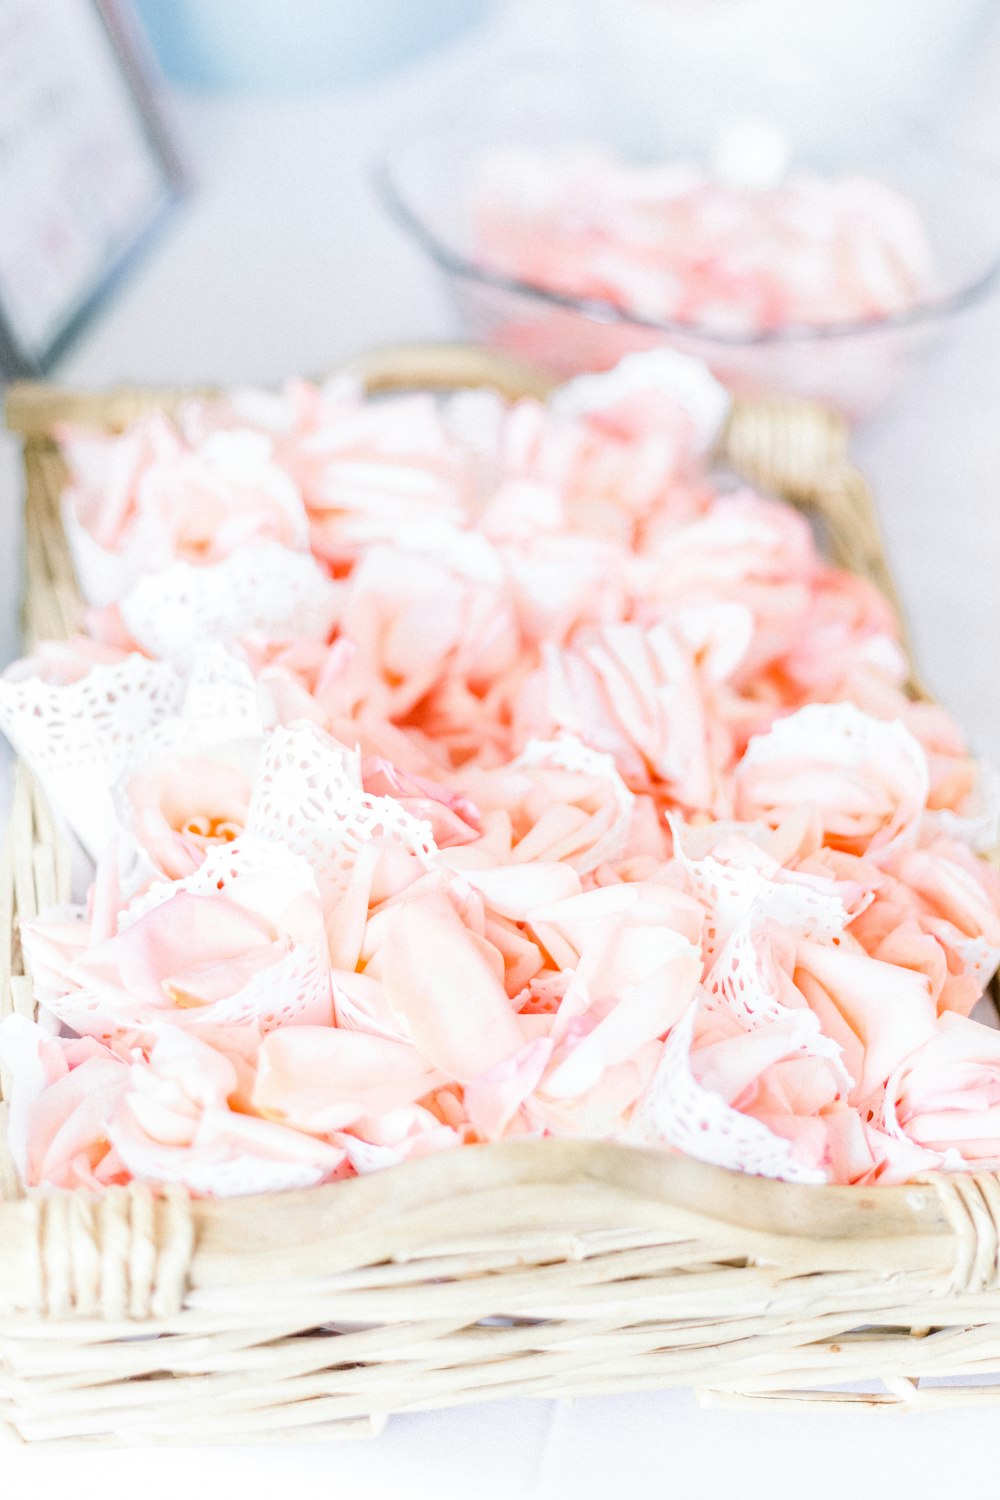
(86, 172)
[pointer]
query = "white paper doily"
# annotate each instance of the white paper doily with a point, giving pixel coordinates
(308, 795)
(676, 1111)
(266, 588)
(736, 896)
(76, 738)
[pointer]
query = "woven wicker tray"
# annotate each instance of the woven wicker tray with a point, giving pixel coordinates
(523, 1268)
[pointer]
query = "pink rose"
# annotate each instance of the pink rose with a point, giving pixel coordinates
(651, 698)
(86, 1116)
(953, 770)
(65, 1092)
(178, 807)
(748, 1100)
(241, 942)
(106, 470)
(198, 504)
(446, 986)
(876, 1011)
(369, 472)
(934, 909)
(145, 499)
(224, 496)
(559, 800)
(597, 464)
(853, 632)
(179, 1122)
(945, 1097)
(747, 551)
(867, 780)
(415, 620)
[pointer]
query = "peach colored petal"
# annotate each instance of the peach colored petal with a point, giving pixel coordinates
(64, 1095)
(439, 981)
(324, 1079)
(517, 890)
(888, 1010)
(642, 1011)
(493, 1099)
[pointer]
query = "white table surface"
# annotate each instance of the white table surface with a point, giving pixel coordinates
(282, 262)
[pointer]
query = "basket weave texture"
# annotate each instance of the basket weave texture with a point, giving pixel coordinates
(522, 1268)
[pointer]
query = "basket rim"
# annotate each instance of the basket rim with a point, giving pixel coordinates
(594, 1189)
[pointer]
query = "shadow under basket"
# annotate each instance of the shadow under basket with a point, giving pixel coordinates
(546, 1268)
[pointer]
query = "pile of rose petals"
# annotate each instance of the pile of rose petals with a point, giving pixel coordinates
(456, 771)
(674, 242)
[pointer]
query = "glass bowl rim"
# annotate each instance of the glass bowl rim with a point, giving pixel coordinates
(456, 264)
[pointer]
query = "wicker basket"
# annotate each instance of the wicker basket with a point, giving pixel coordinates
(523, 1268)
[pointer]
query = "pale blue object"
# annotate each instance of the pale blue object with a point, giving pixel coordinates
(296, 46)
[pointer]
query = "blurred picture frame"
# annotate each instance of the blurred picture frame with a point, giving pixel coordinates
(88, 175)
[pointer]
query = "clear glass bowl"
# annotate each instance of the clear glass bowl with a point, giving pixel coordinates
(426, 183)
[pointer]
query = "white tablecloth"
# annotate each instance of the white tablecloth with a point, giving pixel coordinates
(283, 262)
